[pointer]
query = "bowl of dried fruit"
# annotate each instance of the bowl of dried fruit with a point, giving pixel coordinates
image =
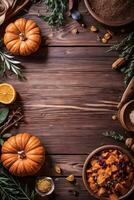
(108, 173)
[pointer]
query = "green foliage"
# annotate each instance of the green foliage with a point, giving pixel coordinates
(3, 114)
(11, 188)
(126, 50)
(8, 63)
(4, 137)
(114, 135)
(57, 9)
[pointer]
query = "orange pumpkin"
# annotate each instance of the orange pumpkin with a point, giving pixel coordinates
(23, 154)
(22, 37)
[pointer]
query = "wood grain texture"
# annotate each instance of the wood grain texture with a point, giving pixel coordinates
(64, 37)
(69, 98)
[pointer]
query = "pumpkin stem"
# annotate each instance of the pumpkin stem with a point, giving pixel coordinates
(22, 37)
(21, 154)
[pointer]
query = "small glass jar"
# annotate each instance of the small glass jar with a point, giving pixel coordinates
(40, 191)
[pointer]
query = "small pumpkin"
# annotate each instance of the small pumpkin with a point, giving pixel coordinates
(22, 37)
(23, 154)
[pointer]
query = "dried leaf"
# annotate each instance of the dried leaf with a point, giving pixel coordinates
(57, 169)
(70, 178)
(1, 141)
(7, 135)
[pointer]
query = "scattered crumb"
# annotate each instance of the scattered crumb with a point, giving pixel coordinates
(114, 117)
(104, 40)
(74, 31)
(107, 36)
(93, 29)
(70, 178)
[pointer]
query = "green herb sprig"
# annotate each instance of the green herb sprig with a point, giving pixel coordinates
(126, 51)
(8, 63)
(11, 188)
(114, 135)
(57, 9)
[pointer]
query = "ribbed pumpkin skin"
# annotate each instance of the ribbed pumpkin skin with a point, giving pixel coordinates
(23, 154)
(22, 37)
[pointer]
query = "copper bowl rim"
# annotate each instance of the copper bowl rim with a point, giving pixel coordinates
(104, 21)
(87, 162)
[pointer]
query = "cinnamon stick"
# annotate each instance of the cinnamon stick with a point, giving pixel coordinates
(127, 94)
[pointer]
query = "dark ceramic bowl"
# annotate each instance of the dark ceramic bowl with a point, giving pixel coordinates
(105, 21)
(84, 175)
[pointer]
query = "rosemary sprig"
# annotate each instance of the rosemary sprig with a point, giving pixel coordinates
(126, 51)
(11, 188)
(114, 135)
(8, 63)
(57, 9)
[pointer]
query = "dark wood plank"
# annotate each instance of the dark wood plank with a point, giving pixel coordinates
(69, 98)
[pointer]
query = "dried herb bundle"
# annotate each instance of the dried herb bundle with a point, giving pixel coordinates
(57, 9)
(8, 63)
(126, 51)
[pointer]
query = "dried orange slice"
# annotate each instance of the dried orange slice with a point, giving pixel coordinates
(7, 93)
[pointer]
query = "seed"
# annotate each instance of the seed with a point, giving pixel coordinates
(107, 36)
(83, 25)
(70, 178)
(104, 40)
(93, 29)
(114, 117)
(75, 31)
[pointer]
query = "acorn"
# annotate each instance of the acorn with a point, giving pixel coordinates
(129, 142)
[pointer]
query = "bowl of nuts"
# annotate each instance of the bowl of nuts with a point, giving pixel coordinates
(108, 173)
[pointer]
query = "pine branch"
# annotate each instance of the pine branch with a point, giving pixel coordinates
(126, 51)
(12, 189)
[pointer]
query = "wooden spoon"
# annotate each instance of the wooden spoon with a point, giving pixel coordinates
(128, 93)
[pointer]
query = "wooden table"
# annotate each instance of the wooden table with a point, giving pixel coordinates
(69, 98)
